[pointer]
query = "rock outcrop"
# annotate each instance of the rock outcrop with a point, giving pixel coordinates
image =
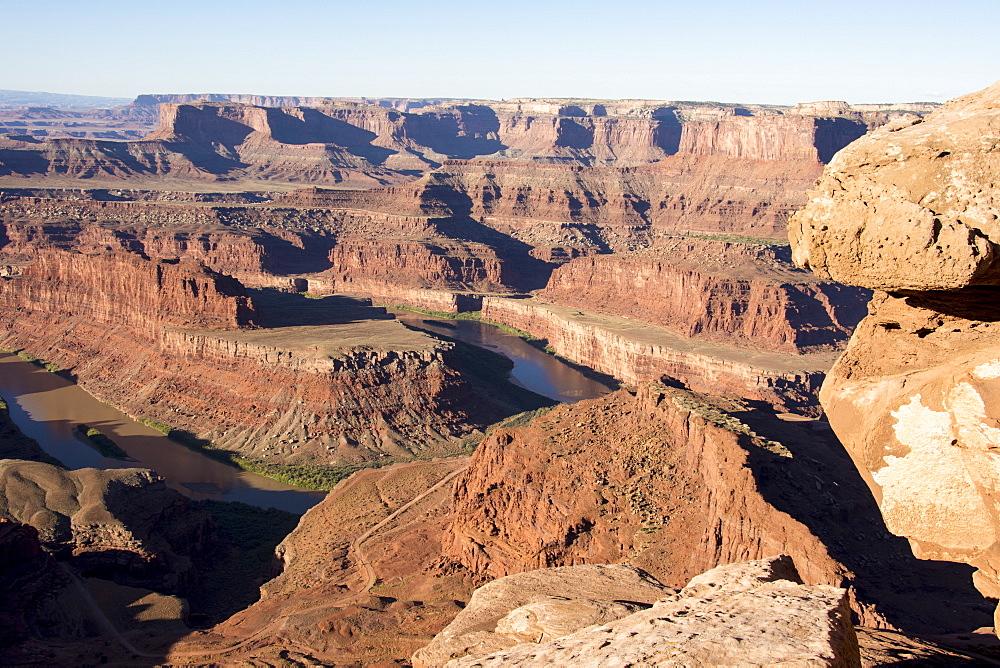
(913, 211)
(121, 524)
(755, 613)
(715, 290)
(345, 385)
(541, 605)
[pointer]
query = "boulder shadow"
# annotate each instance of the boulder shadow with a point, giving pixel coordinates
(820, 487)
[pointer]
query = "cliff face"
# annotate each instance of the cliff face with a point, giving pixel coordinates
(669, 493)
(912, 211)
(717, 290)
(127, 289)
(662, 482)
(138, 334)
(355, 144)
(445, 264)
(636, 354)
(794, 138)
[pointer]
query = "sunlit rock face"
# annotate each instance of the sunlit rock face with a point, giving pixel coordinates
(913, 211)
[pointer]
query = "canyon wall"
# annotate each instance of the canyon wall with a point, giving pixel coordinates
(660, 480)
(912, 211)
(635, 354)
(357, 144)
(130, 290)
(444, 264)
(721, 291)
(670, 493)
(351, 386)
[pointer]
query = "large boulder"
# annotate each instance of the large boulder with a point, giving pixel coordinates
(753, 613)
(913, 211)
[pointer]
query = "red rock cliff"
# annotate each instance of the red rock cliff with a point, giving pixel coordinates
(660, 481)
(127, 289)
(716, 290)
(150, 344)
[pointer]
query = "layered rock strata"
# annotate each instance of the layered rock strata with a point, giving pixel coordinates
(754, 613)
(356, 144)
(143, 335)
(715, 290)
(663, 481)
(130, 290)
(912, 211)
(636, 353)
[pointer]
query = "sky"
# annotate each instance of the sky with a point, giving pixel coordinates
(764, 51)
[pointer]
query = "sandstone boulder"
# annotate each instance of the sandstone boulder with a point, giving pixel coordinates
(910, 206)
(749, 614)
(914, 210)
(540, 604)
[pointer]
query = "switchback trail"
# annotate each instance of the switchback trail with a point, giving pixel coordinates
(354, 551)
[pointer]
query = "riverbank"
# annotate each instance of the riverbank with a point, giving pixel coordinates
(15, 444)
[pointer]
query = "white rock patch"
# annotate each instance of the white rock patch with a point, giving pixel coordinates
(928, 494)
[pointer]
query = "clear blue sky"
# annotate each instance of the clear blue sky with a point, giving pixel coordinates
(777, 51)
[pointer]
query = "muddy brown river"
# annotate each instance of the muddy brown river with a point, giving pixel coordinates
(48, 407)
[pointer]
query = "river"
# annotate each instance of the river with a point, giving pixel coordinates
(534, 369)
(48, 407)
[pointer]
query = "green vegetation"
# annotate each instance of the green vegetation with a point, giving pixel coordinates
(465, 315)
(232, 584)
(309, 476)
(100, 442)
(520, 420)
(28, 357)
(301, 475)
(476, 316)
(687, 401)
(737, 239)
(527, 336)
(158, 426)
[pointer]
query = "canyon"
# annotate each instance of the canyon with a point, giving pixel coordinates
(224, 274)
(181, 345)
